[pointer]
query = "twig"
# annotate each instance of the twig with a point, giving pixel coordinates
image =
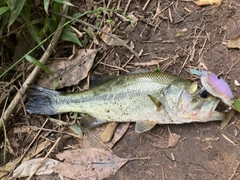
(162, 10)
(35, 72)
(101, 30)
(146, 4)
(127, 6)
(234, 173)
(44, 159)
(25, 152)
(114, 66)
(191, 53)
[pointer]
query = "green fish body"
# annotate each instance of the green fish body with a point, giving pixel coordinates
(145, 98)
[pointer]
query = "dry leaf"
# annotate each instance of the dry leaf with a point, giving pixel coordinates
(121, 130)
(27, 168)
(70, 72)
(33, 152)
(233, 43)
(108, 133)
(91, 138)
(91, 163)
(173, 139)
(208, 2)
(108, 40)
(228, 118)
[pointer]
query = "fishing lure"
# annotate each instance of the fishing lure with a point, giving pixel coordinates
(215, 85)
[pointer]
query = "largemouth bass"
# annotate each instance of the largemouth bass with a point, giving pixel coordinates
(145, 98)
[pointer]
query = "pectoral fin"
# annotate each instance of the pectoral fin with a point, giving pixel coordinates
(89, 121)
(143, 126)
(157, 103)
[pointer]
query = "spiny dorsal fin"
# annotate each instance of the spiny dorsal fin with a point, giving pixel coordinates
(143, 126)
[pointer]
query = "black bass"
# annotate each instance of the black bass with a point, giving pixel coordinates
(145, 98)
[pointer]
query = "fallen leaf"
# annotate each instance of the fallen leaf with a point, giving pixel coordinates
(90, 163)
(108, 133)
(91, 137)
(27, 168)
(70, 72)
(108, 40)
(130, 17)
(233, 43)
(173, 139)
(228, 118)
(33, 152)
(120, 131)
(236, 105)
(208, 2)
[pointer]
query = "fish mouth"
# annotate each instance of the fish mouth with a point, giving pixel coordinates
(201, 110)
(214, 114)
(215, 105)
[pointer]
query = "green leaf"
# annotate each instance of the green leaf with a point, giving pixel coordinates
(69, 35)
(37, 63)
(32, 29)
(64, 2)
(76, 130)
(57, 6)
(15, 8)
(3, 9)
(109, 21)
(90, 32)
(236, 105)
(4, 22)
(158, 70)
(46, 5)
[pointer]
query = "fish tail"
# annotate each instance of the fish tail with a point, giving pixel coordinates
(41, 100)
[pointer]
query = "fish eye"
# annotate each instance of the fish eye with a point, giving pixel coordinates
(219, 77)
(204, 94)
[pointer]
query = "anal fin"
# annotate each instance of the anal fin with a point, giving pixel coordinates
(143, 126)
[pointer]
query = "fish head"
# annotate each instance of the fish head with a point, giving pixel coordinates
(200, 107)
(184, 107)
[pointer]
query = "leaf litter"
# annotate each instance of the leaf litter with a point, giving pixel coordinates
(89, 163)
(70, 72)
(110, 41)
(233, 42)
(27, 167)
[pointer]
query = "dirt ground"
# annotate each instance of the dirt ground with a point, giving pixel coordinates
(181, 37)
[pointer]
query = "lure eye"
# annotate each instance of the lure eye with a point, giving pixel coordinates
(204, 94)
(219, 77)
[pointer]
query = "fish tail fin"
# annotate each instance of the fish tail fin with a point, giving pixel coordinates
(41, 100)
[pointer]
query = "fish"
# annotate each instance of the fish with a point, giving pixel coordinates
(147, 98)
(215, 85)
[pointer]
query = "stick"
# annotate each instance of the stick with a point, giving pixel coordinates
(101, 30)
(34, 73)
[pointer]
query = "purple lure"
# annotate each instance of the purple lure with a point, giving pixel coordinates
(215, 85)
